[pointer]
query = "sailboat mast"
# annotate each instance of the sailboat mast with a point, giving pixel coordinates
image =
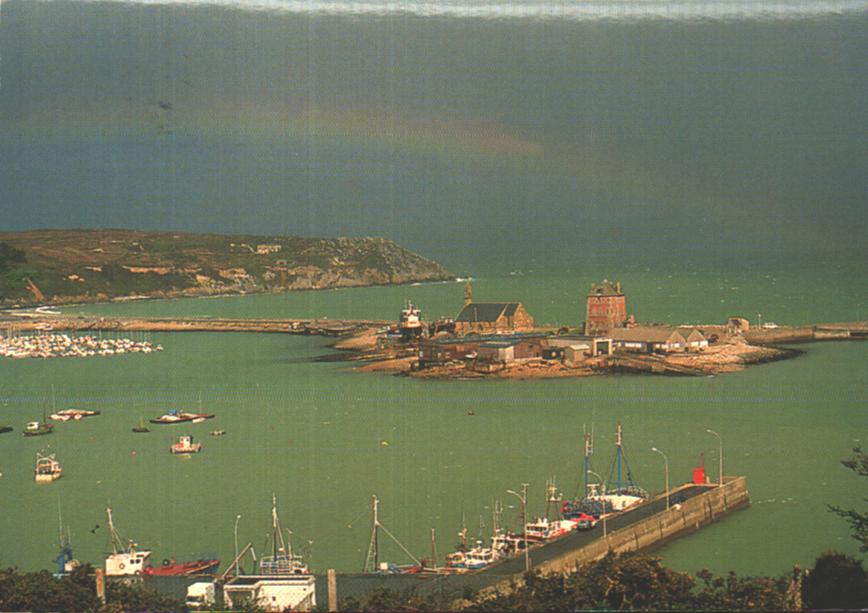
(59, 522)
(618, 452)
(433, 550)
(372, 561)
(589, 449)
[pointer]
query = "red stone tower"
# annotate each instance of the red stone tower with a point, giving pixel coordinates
(607, 308)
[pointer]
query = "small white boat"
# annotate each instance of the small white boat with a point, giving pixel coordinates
(48, 469)
(185, 444)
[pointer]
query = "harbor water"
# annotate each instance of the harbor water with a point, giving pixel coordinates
(324, 439)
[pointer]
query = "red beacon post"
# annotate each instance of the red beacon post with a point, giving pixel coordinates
(699, 476)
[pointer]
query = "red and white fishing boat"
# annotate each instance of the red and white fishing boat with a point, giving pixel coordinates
(185, 444)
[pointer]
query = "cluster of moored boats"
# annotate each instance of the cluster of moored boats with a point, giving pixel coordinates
(66, 346)
(128, 560)
(48, 467)
(562, 517)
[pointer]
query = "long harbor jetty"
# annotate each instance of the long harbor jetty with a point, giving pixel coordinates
(29, 321)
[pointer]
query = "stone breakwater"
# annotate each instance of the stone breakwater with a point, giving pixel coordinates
(328, 327)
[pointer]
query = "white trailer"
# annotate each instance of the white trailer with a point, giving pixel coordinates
(200, 595)
(272, 592)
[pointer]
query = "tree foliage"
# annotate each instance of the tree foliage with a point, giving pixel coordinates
(837, 581)
(858, 463)
(635, 582)
(629, 582)
(41, 591)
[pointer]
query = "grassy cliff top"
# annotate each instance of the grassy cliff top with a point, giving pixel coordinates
(54, 266)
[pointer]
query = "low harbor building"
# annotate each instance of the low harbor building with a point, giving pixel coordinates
(696, 340)
(491, 348)
(596, 345)
(649, 339)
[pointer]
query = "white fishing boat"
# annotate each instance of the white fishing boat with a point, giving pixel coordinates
(125, 559)
(282, 561)
(48, 469)
(542, 529)
(410, 323)
(185, 444)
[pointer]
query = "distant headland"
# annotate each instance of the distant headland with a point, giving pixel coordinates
(51, 267)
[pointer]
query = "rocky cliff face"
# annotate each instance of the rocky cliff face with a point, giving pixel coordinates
(64, 266)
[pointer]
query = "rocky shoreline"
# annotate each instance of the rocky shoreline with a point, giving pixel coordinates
(718, 359)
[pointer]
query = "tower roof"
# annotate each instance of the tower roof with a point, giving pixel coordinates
(606, 288)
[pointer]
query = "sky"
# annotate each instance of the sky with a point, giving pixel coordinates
(474, 133)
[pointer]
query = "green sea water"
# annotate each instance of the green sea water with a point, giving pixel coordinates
(325, 439)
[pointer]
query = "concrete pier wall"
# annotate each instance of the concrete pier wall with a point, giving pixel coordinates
(693, 514)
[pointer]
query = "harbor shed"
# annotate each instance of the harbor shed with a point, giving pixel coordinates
(271, 592)
(597, 345)
(502, 352)
(443, 350)
(576, 353)
(649, 339)
(696, 340)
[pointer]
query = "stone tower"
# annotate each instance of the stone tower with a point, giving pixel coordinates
(606, 308)
(468, 293)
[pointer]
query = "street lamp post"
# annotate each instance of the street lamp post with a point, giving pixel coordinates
(523, 498)
(666, 471)
(237, 517)
(719, 454)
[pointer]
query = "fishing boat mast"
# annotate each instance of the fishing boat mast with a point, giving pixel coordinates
(589, 450)
(619, 464)
(553, 498)
(118, 545)
(65, 556)
(282, 559)
(372, 561)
